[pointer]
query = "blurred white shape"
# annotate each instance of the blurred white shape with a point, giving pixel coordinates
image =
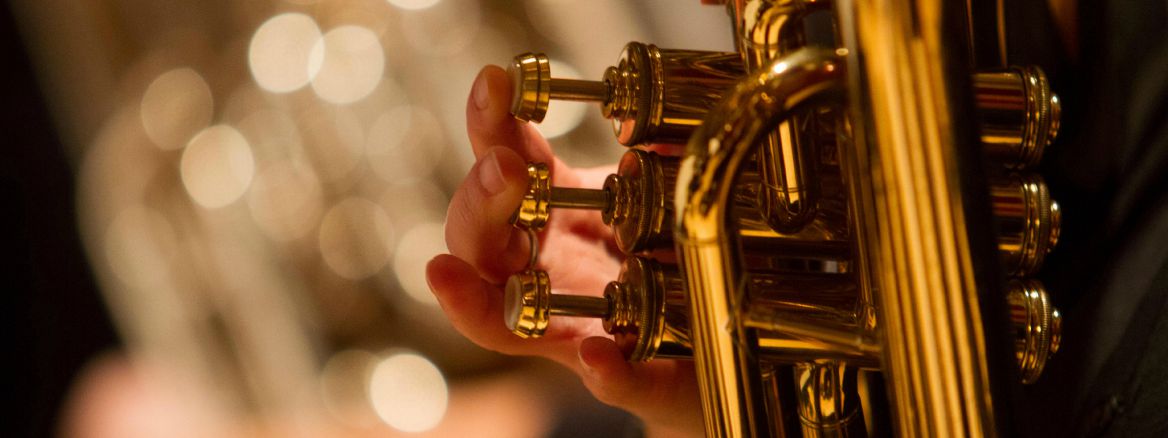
(285, 201)
(175, 106)
(405, 142)
(389, 130)
(414, 202)
(333, 142)
(352, 62)
(281, 52)
(563, 116)
(408, 392)
(343, 383)
(444, 30)
(139, 245)
(413, 5)
(590, 33)
(272, 134)
(355, 238)
(420, 244)
(217, 166)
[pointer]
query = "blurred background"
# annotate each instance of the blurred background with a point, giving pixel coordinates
(219, 211)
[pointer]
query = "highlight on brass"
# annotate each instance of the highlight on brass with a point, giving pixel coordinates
(261, 184)
(808, 238)
(651, 94)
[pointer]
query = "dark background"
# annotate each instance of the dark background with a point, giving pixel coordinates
(53, 315)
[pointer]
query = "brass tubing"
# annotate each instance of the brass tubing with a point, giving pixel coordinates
(789, 199)
(588, 199)
(829, 401)
(646, 310)
(637, 202)
(579, 306)
(578, 90)
(781, 397)
(727, 368)
(820, 299)
(787, 162)
(916, 237)
(652, 95)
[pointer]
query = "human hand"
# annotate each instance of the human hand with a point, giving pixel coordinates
(576, 249)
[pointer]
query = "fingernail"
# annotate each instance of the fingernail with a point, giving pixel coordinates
(584, 363)
(491, 175)
(481, 92)
(429, 284)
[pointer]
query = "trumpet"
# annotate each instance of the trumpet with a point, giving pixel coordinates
(852, 254)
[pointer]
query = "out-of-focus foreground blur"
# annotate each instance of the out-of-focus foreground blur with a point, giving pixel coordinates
(259, 185)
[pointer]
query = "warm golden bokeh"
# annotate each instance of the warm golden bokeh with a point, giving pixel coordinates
(262, 183)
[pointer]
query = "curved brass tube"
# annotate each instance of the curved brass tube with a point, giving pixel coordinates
(728, 373)
(787, 163)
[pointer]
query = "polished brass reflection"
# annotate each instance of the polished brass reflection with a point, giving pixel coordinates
(912, 230)
(728, 373)
(829, 403)
(818, 217)
(787, 162)
(652, 94)
(1028, 222)
(528, 304)
(638, 203)
(646, 311)
(1018, 114)
(1037, 327)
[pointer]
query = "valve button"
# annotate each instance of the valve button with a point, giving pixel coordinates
(526, 303)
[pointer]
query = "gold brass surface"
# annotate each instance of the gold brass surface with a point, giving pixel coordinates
(728, 374)
(1037, 327)
(825, 219)
(652, 95)
(530, 86)
(532, 212)
(527, 303)
(829, 402)
(1028, 222)
(912, 225)
(638, 203)
(1018, 114)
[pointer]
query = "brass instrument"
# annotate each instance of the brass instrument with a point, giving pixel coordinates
(833, 224)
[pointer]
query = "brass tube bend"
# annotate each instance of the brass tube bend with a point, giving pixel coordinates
(728, 374)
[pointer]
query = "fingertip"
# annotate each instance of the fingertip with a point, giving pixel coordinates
(455, 284)
(511, 164)
(602, 359)
(499, 83)
(488, 110)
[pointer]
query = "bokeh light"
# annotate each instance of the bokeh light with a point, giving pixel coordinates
(351, 64)
(408, 392)
(344, 386)
(416, 247)
(333, 143)
(413, 202)
(355, 238)
(280, 53)
(444, 30)
(285, 201)
(175, 106)
(413, 4)
(139, 245)
(387, 149)
(217, 166)
(563, 116)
